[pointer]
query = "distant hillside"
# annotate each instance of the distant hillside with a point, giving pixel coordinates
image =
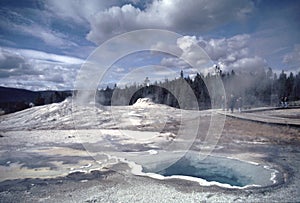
(13, 99)
(16, 95)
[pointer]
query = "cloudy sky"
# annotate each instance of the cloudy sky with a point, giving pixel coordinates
(44, 43)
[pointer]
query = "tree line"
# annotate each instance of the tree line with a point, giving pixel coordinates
(262, 87)
(12, 99)
(258, 88)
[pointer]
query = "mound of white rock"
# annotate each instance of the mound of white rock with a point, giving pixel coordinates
(144, 102)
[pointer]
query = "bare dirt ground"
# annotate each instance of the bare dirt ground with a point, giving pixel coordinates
(271, 145)
(253, 131)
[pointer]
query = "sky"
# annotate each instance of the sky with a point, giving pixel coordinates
(43, 44)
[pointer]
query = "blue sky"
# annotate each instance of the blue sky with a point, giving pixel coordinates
(44, 43)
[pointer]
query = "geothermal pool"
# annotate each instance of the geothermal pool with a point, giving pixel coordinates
(216, 170)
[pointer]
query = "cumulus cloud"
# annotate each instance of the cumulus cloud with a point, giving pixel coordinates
(11, 64)
(228, 53)
(37, 70)
(192, 52)
(232, 53)
(228, 50)
(248, 63)
(176, 15)
(10, 60)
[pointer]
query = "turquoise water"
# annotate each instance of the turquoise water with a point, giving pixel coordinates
(223, 170)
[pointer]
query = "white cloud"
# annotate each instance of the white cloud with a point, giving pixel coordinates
(229, 53)
(233, 53)
(176, 15)
(227, 50)
(46, 35)
(37, 70)
(192, 57)
(192, 52)
(171, 48)
(80, 10)
(39, 55)
(248, 63)
(113, 21)
(11, 63)
(174, 62)
(29, 26)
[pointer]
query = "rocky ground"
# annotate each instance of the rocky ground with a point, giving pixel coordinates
(42, 163)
